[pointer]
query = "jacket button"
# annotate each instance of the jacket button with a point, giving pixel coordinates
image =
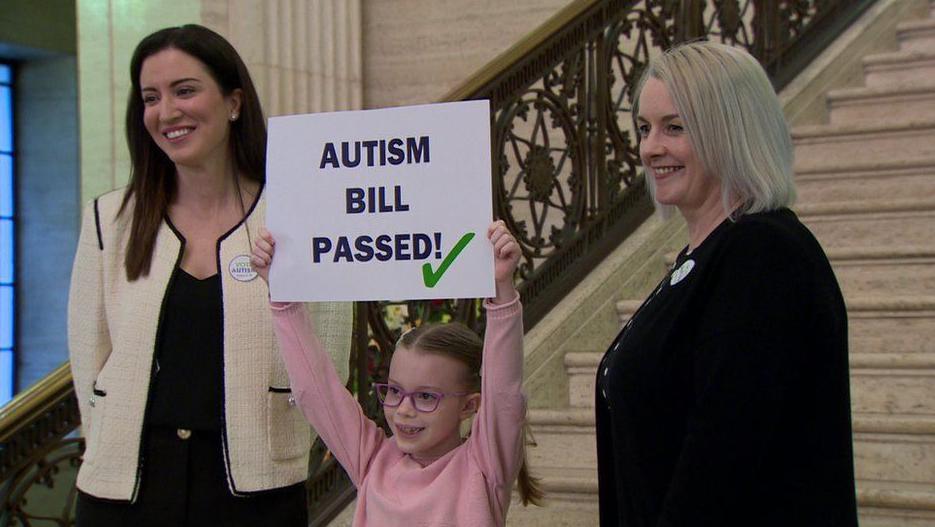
(92, 402)
(183, 433)
(291, 400)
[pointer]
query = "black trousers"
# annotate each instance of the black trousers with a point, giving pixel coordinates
(184, 484)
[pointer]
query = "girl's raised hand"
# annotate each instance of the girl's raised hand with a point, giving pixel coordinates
(506, 254)
(263, 248)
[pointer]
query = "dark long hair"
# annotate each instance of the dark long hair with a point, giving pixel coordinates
(152, 177)
(455, 340)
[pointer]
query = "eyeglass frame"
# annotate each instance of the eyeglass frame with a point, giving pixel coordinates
(411, 395)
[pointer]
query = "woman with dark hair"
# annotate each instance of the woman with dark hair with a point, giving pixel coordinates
(725, 400)
(185, 402)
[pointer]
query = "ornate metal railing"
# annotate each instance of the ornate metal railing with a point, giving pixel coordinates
(38, 459)
(566, 180)
(565, 165)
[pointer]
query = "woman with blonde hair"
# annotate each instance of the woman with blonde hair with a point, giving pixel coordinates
(725, 398)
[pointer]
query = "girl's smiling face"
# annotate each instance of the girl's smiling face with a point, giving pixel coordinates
(427, 436)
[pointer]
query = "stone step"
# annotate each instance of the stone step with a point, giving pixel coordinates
(882, 104)
(863, 182)
(827, 145)
(570, 501)
(876, 323)
(896, 504)
(581, 369)
(880, 382)
(907, 222)
(894, 462)
(626, 308)
(572, 484)
(891, 361)
(917, 35)
(899, 67)
(879, 324)
(905, 270)
(898, 271)
(906, 387)
(894, 447)
(564, 438)
(894, 456)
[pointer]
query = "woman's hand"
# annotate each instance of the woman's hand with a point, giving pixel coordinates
(263, 248)
(506, 254)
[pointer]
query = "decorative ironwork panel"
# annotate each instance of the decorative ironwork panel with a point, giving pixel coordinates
(566, 172)
(43, 491)
(565, 155)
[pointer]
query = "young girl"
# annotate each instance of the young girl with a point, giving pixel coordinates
(425, 474)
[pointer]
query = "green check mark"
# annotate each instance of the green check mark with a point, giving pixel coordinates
(430, 277)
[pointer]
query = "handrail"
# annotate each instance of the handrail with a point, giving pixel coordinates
(33, 402)
(46, 411)
(566, 87)
(33, 444)
(521, 49)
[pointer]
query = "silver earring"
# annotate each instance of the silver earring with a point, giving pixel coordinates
(233, 117)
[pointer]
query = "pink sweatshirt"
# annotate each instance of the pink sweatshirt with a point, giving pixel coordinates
(469, 486)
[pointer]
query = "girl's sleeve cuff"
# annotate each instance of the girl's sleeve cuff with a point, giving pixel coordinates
(283, 306)
(506, 310)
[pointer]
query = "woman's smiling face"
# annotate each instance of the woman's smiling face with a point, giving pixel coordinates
(668, 155)
(185, 111)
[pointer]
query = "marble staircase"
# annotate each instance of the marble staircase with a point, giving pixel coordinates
(868, 193)
(866, 183)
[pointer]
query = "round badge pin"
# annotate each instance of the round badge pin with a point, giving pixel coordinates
(241, 269)
(679, 274)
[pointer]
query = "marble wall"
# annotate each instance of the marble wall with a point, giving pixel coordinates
(304, 56)
(415, 51)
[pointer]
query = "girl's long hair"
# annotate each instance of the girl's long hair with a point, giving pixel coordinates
(152, 177)
(455, 340)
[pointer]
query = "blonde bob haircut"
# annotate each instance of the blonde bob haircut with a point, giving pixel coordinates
(734, 121)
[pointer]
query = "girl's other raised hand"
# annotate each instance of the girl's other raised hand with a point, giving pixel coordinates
(263, 248)
(506, 254)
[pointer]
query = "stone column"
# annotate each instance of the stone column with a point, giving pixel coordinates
(304, 56)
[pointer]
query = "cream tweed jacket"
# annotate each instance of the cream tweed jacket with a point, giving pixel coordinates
(113, 326)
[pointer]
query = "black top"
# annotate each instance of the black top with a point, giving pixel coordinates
(725, 399)
(187, 389)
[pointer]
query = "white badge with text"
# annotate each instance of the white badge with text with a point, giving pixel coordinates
(679, 274)
(241, 269)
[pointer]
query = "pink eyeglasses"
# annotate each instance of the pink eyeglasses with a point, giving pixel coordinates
(425, 401)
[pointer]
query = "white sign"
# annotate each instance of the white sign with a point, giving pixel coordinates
(385, 204)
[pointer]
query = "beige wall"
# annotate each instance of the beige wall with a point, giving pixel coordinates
(304, 56)
(47, 25)
(108, 31)
(417, 50)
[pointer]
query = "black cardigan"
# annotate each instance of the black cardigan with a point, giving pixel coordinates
(725, 400)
